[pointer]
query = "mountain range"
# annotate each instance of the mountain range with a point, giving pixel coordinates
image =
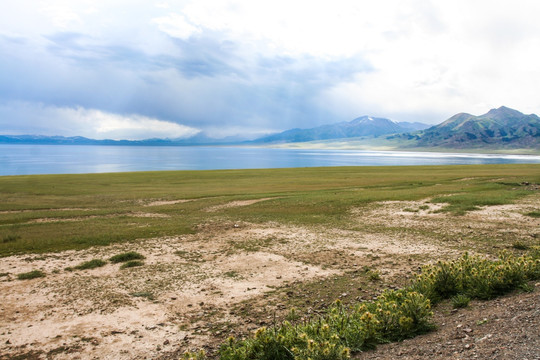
(199, 139)
(501, 128)
(359, 127)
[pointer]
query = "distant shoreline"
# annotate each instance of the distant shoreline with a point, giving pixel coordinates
(360, 145)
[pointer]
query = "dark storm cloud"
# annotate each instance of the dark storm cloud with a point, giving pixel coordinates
(207, 82)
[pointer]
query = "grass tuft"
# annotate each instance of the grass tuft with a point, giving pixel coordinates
(144, 294)
(10, 238)
(460, 301)
(31, 275)
(92, 264)
(131, 263)
(128, 256)
(518, 245)
(374, 275)
(534, 214)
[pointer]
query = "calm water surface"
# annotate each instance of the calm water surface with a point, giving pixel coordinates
(70, 159)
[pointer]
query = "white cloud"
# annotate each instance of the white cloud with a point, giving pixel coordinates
(96, 124)
(429, 59)
(175, 25)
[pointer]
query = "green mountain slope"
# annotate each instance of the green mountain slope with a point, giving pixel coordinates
(502, 127)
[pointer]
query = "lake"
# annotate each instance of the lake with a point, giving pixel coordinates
(71, 159)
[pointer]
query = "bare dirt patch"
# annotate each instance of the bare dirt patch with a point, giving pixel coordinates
(166, 202)
(237, 203)
(490, 228)
(231, 277)
(83, 218)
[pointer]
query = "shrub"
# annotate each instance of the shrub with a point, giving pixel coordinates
(92, 264)
(132, 255)
(393, 316)
(31, 275)
(477, 277)
(131, 263)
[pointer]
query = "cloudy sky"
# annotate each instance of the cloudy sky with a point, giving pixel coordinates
(137, 69)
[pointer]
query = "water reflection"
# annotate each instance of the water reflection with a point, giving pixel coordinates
(62, 159)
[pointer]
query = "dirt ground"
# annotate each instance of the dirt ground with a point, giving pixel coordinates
(194, 291)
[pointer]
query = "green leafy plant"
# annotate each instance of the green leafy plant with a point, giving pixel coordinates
(477, 277)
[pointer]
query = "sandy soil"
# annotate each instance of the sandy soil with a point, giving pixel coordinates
(189, 291)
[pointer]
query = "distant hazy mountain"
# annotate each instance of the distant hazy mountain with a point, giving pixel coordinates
(199, 139)
(359, 127)
(503, 127)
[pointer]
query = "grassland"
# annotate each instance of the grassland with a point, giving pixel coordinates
(60, 212)
(226, 252)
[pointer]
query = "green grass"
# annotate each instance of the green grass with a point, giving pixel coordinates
(125, 257)
(31, 275)
(10, 238)
(47, 213)
(144, 294)
(518, 245)
(534, 214)
(131, 263)
(460, 301)
(92, 264)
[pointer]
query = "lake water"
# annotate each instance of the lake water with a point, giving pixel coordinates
(70, 159)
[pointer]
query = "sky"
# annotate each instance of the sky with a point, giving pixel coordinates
(135, 69)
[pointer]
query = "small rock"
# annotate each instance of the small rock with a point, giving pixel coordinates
(166, 342)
